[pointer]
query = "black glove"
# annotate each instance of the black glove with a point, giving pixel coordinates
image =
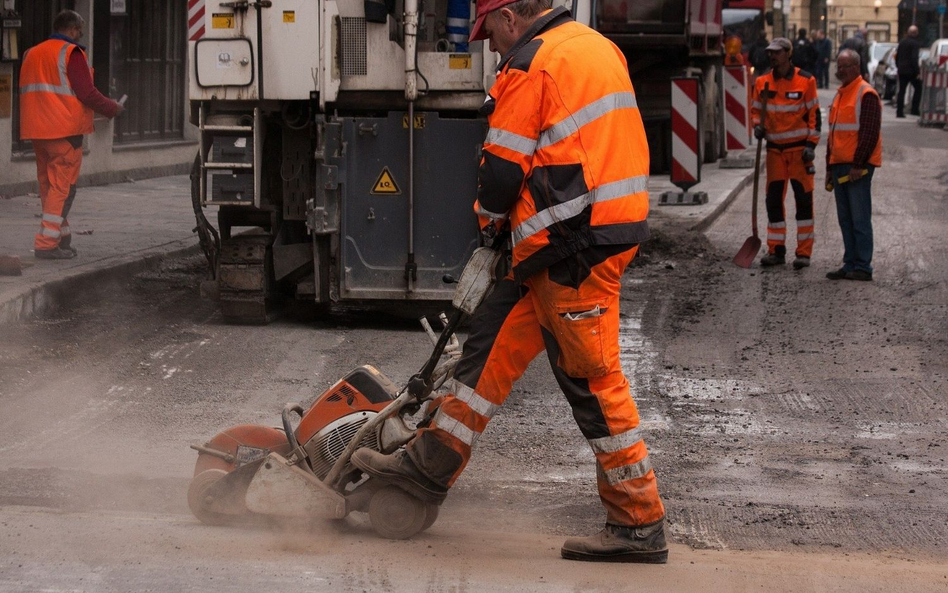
(759, 132)
(808, 155)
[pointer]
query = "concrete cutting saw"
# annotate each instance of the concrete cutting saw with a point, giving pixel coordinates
(305, 472)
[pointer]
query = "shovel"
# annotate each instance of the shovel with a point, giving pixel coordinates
(745, 257)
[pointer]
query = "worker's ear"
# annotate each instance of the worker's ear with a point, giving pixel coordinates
(508, 18)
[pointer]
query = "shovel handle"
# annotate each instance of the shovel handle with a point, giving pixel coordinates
(760, 145)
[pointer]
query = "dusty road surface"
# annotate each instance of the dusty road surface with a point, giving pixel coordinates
(799, 427)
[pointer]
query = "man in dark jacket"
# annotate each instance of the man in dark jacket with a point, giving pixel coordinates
(906, 61)
(757, 54)
(858, 44)
(804, 56)
(824, 52)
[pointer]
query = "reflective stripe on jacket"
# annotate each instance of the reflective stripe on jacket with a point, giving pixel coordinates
(793, 110)
(565, 159)
(49, 108)
(844, 124)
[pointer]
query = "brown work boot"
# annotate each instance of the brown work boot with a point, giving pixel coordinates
(399, 470)
(644, 544)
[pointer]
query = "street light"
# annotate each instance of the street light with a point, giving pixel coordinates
(877, 4)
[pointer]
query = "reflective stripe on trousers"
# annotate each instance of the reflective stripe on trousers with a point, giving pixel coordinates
(57, 171)
(508, 331)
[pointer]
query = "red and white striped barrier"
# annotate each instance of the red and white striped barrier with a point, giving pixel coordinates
(686, 166)
(195, 19)
(736, 112)
(934, 103)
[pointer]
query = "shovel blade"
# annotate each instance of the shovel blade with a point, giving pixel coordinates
(748, 253)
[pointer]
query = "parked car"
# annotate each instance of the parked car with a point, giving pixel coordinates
(938, 55)
(885, 76)
(877, 50)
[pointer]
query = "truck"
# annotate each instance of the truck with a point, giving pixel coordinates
(339, 144)
(340, 139)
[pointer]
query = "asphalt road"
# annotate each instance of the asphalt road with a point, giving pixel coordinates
(798, 427)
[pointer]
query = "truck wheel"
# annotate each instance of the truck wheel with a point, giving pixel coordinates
(245, 280)
(200, 503)
(396, 514)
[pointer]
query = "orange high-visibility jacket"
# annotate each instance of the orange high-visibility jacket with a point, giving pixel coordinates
(844, 124)
(565, 159)
(49, 108)
(793, 111)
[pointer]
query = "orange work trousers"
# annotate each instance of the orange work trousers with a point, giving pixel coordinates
(579, 329)
(784, 166)
(57, 170)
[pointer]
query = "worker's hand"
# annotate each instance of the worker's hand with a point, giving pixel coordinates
(855, 174)
(759, 132)
(809, 155)
(120, 110)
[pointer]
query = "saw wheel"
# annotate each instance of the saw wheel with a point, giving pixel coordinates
(396, 514)
(197, 497)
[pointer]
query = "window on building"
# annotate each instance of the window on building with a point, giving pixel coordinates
(37, 20)
(147, 63)
(878, 32)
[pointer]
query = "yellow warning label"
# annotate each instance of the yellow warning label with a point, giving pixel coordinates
(419, 122)
(459, 61)
(385, 184)
(222, 20)
(289, 16)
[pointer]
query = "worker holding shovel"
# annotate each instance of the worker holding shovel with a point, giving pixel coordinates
(791, 124)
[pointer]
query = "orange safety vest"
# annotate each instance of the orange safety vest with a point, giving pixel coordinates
(793, 110)
(844, 124)
(566, 158)
(49, 108)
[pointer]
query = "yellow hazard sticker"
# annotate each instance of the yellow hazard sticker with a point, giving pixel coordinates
(385, 184)
(289, 16)
(222, 20)
(419, 122)
(459, 61)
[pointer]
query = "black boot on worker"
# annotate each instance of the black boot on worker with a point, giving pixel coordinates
(644, 544)
(399, 470)
(55, 253)
(773, 259)
(801, 262)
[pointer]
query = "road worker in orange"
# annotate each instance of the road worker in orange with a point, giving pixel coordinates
(853, 152)
(57, 100)
(565, 164)
(792, 128)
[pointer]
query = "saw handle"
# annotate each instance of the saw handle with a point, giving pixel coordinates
(289, 409)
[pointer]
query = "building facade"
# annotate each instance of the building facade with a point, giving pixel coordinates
(137, 48)
(839, 19)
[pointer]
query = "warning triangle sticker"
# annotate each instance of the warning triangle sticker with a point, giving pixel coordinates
(385, 184)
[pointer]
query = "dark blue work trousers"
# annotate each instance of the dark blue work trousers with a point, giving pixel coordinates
(854, 210)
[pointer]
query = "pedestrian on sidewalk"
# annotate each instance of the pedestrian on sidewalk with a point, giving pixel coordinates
(804, 54)
(792, 129)
(824, 52)
(860, 45)
(577, 210)
(854, 149)
(757, 54)
(57, 100)
(906, 60)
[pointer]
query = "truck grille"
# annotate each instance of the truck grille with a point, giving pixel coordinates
(328, 444)
(353, 58)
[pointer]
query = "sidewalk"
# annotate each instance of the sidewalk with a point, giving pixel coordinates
(118, 229)
(123, 228)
